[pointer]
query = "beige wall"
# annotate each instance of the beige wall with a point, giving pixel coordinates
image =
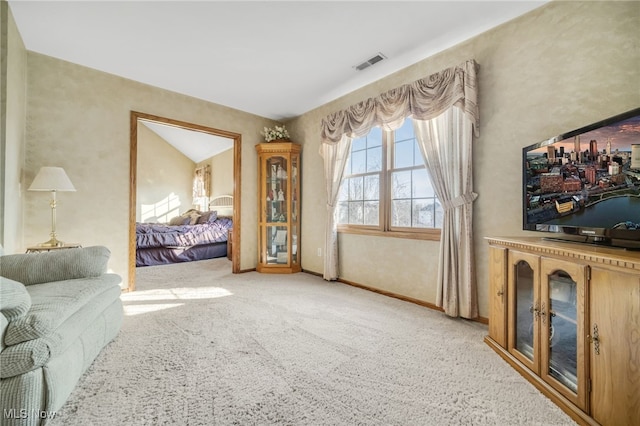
(560, 67)
(222, 173)
(221, 166)
(165, 179)
(78, 118)
(13, 84)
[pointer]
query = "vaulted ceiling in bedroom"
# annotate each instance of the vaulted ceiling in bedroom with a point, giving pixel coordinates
(197, 146)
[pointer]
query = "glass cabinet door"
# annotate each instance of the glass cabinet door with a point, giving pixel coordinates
(279, 230)
(295, 214)
(524, 306)
(276, 189)
(561, 328)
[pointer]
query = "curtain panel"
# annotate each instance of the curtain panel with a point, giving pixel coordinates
(202, 182)
(446, 146)
(423, 99)
(335, 159)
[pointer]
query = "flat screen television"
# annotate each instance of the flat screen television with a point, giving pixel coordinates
(584, 185)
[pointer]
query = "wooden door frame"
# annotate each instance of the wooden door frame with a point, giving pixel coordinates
(135, 117)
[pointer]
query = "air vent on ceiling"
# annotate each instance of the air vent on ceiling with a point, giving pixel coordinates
(370, 61)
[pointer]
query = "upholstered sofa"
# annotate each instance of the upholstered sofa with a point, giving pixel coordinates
(58, 310)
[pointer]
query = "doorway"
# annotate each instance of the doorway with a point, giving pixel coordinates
(135, 118)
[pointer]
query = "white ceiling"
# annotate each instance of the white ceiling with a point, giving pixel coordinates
(276, 59)
(197, 146)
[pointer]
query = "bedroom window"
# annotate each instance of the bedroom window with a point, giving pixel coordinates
(386, 188)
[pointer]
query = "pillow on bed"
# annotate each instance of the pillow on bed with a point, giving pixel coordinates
(179, 221)
(208, 217)
(183, 219)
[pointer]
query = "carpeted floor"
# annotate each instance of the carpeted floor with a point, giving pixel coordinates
(200, 346)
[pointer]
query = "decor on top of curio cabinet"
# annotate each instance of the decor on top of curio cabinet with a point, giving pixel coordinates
(278, 133)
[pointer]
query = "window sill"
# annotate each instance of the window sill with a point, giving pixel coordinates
(428, 235)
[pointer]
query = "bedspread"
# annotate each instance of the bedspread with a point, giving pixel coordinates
(161, 235)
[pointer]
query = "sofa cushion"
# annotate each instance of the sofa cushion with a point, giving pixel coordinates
(14, 299)
(52, 303)
(55, 265)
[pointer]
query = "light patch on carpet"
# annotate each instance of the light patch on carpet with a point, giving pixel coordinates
(175, 294)
(130, 310)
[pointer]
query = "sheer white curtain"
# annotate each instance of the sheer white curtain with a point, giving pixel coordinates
(335, 159)
(446, 146)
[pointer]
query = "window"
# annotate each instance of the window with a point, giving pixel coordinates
(386, 188)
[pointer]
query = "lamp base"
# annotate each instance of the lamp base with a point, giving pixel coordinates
(53, 242)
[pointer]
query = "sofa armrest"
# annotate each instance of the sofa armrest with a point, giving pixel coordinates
(15, 301)
(56, 265)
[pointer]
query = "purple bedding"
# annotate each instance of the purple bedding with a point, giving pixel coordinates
(150, 235)
(159, 244)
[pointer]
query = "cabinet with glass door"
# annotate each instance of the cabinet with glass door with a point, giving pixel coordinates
(547, 299)
(565, 315)
(279, 221)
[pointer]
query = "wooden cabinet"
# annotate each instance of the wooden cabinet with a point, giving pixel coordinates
(615, 346)
(279, 201)
(567, 316)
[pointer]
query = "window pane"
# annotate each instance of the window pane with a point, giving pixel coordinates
(401, 213)
(423, 213)
(372, 187)
(358, 162)
(406, 131)
(401, 185)
(343, 212)
(355, 212)
(358, 144)
(355, 188)
(421, 184)
(371, 213)
(374, 138)
(374, 159)
(403, 154)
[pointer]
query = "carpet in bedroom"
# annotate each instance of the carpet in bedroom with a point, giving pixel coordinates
(201, 346)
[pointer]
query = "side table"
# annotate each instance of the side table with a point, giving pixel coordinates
(38, 249)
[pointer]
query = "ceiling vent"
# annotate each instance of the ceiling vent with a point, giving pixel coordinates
(370, 61)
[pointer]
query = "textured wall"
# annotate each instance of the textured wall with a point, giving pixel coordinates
(12, 129)
(222, 173)
(557, 68)
(165, 179)
(78, 118)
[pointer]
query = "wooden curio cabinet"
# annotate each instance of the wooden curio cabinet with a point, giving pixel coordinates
(279, 201)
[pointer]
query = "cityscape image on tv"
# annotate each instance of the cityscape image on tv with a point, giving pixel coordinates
(589, 180)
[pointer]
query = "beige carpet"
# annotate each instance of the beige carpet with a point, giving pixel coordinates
(200, 346)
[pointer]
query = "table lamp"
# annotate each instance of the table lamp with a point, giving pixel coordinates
(52, 179)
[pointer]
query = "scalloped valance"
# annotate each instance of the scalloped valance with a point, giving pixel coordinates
(422, 99)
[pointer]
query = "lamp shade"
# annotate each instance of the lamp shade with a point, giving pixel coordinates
(51, 179)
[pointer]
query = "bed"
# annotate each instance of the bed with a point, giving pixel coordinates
(194, 235)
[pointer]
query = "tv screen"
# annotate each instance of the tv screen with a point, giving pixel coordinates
(584, 185)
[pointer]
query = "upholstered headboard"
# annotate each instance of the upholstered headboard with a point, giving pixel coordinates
(223, 204)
